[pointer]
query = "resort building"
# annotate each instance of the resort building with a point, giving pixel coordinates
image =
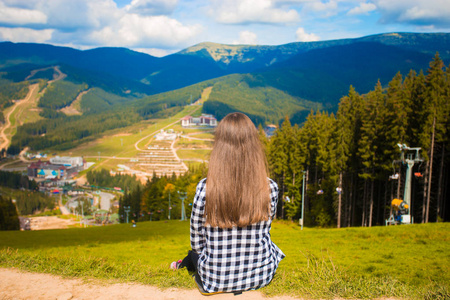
(203, 120)
(56, 168)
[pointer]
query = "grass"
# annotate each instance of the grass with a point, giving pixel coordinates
(398, 261)
(203, 136)
(121, 142)
(194, 154)
(193, 143)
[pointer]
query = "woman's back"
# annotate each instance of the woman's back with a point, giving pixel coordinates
(232, 213)
(237, 258)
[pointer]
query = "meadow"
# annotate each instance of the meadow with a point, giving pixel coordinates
(408, 262)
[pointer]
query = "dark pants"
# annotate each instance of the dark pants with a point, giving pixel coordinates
(190, 262)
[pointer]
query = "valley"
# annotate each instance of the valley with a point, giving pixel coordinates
(125, 113)
(134, 150)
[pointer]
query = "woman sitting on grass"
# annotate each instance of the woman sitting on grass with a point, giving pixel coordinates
(232, 214)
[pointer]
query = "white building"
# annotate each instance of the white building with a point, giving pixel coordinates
(203, 120)
(67, 161)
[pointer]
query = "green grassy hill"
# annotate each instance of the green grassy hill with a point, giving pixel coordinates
(252, 95)
(408, 261)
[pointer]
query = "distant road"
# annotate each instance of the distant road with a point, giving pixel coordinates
(64, 210)
(5, 139)
(105, 200)
(136, 145)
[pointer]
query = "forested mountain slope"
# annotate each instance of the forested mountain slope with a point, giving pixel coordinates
(266, 82)
(204, 61)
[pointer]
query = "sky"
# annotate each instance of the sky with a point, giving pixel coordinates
(162, 27)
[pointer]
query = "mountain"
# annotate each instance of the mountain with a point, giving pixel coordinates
(235, 57)
(324, 75)
(158, 74)
(207, 60)
(266, 82)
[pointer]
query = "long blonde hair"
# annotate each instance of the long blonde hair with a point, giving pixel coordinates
(237, 187)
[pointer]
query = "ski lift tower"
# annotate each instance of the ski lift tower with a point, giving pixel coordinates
(409, 156)
(183, 196)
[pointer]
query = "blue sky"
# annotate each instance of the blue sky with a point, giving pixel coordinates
(161, 27)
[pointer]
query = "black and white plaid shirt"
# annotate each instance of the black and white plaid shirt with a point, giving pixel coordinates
(235, 259)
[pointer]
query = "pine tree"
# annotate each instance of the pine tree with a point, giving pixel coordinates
(296, 167)
(349, 122)
(279, 159)
(9, 219)
(435, 101)
(372, 139)
(445, 147)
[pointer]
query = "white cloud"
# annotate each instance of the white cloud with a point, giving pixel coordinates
(59, 14)
(81, 14)
(136, 31)
(20, 16)
(302, 36)
(328, 9)
(362, 9)
(418, 12)
(17, 35)
(88, 23)
(154, 51)
(246, 38)
(251, 11)
(152, 7)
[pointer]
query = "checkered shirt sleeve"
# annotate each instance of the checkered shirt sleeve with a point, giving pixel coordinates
(198, 218)
(234, 259)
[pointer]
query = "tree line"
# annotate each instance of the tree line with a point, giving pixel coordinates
(9, 219)
(16, 180)
(67, 132)
(61, 94)
(347, 158)
(103, 178)
(161, 198)
(32, 202)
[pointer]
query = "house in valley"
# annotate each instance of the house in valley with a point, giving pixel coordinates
(203, 120)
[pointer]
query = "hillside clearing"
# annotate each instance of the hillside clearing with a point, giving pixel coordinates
(12, 115)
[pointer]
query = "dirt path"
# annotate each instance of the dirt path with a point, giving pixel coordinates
(174, 151)
(15, 284)
(53, 222)
(60, 75)
(29, 97)
(4, 137)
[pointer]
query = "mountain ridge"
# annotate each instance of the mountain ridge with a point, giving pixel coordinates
(313, 71)
(394, 38)
(265, 82)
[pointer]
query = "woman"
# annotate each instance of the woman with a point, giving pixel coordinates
(232, 214)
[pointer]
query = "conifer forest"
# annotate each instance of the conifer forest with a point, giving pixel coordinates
(356, 151)
(350, 161)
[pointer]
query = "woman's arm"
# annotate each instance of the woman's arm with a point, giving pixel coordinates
(198, 219)
(273, 189)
